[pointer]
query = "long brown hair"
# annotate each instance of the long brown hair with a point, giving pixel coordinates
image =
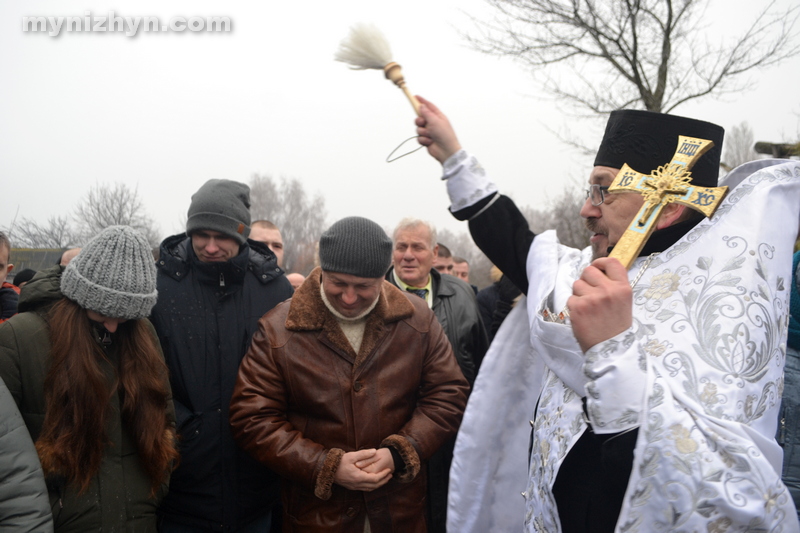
(78, 389)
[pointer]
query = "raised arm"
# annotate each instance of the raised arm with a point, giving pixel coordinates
(496, 224)
(435, 132)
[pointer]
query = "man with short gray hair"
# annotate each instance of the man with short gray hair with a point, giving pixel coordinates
(451, 299)
(347, 390)
(453, 302)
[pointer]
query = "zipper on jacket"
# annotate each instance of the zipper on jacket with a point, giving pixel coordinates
(106, 339)
(221, 279)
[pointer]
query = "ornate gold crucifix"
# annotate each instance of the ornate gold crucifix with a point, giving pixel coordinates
(665, 185)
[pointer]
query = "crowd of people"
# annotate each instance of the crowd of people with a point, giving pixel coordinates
(200, 388)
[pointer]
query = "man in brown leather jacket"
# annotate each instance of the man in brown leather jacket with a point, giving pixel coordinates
(347, 389)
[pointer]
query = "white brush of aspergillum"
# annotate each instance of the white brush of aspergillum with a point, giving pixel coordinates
(367, 48)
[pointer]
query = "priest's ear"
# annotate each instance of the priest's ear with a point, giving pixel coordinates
(672, 214)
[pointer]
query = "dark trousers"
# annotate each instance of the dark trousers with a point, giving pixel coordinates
(260, 525)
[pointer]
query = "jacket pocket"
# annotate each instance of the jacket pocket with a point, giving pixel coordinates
(188, 428)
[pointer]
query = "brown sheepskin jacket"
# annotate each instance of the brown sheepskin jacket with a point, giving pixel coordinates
(304, 398)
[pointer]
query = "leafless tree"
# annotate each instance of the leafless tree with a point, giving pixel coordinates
(300, 218)
(739, 146)
(562, 215)
(55, 234)
(110, 205)
(651, 54)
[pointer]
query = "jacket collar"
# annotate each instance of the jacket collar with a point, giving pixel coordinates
(439, 289)
(42, 291)
(307, 312)
(176, 258)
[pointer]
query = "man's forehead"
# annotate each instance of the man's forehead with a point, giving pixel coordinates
(603, 175)
(417, 234)
(269, 234)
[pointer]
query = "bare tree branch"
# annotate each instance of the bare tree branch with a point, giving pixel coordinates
(111, 205)
(562, 215)
(649, 54)
(300, 218)
(55, 234)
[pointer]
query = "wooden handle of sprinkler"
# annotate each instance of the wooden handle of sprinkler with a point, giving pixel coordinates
(395, 73)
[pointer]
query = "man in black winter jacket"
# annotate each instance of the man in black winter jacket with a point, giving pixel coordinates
(213, 286)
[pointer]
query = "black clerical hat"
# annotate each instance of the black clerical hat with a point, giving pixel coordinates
(646, 140)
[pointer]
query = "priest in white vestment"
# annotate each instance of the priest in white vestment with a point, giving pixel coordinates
(651, 405)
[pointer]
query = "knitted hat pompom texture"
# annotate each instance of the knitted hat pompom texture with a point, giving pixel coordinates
(223, 206)
(356, 246)
(114, 275)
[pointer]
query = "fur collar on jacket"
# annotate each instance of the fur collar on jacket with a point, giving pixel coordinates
(307, 312)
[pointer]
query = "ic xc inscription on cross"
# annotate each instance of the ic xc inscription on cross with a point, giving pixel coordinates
(665, 185)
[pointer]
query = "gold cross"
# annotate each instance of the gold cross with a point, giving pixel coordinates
(665, 185)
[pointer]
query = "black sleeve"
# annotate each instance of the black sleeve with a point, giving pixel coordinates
(480, 343)
(507, 295)
(502, 233)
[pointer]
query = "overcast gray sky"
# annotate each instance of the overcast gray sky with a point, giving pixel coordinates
(164, 112)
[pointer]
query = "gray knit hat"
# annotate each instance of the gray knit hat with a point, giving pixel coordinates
(356, 246)
(114, 275)
(223, 206)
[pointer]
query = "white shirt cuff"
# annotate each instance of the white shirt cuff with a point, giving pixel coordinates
(467, 182)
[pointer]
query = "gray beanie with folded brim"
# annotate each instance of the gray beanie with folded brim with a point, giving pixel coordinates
(114, 275)
(223, 206)
(356, 246)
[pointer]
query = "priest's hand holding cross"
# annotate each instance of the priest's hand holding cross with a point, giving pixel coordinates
(601, 304)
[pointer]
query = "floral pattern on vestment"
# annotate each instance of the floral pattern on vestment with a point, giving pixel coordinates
(708, 337)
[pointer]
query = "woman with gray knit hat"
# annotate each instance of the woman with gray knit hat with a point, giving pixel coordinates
(87, 373)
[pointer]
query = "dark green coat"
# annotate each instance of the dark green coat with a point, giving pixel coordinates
(118, 498)
(24, 507)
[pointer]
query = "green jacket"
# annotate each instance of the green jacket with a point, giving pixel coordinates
(118, 498)
(24, 507)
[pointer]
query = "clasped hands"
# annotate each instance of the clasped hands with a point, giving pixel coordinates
(601, 305)
(365, 470)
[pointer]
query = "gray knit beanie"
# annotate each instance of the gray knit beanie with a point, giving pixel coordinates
(114, 275)
(356, 246)
(223, 206)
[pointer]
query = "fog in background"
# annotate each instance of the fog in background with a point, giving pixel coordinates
(164, 112)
